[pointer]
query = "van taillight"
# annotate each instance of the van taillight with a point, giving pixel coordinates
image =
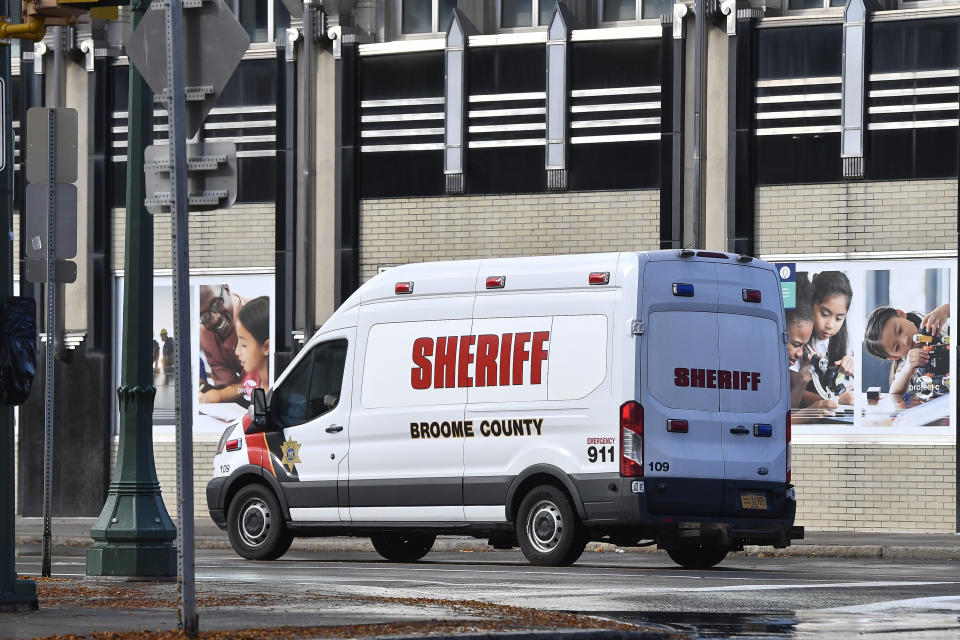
(631, 439)
(712, 254)
(789, 437)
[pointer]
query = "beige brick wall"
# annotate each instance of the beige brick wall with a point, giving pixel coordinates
(857, 487)
(165, 458)
(398, 231)
(870, 487)
(239, 237)
(914, 215)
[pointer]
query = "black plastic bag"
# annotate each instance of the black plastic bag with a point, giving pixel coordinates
(18, 349)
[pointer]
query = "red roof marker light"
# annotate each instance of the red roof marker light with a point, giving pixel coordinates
(599, 277)
(403, 287)
(496, 282)
(752, 295)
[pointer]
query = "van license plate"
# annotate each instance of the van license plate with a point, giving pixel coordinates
(753, 501)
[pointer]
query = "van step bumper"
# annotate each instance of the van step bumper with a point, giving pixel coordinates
(723, 534)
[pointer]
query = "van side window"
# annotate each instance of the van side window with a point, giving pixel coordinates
(329, 359)
(313, 388)
(288, 404)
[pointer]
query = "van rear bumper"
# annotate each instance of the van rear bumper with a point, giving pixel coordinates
(630, 513)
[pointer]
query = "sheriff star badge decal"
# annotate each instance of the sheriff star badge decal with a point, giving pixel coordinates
(291, 454)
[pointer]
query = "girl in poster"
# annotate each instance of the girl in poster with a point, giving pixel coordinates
(829, 350)
(890, 334)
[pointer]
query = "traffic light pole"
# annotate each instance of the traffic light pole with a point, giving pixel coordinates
(15, 595)
(134, 535)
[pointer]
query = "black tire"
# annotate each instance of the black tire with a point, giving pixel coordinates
(403, 547)
(255, 524)
(697, 556)
(548, 529)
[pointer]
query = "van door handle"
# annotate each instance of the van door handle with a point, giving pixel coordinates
(334, 428)
(741, 430)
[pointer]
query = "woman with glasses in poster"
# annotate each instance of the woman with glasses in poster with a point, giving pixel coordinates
(218, 342)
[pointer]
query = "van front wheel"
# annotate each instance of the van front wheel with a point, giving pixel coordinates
(548, 530)
(255, 524)
(403, 547)
(697, 556)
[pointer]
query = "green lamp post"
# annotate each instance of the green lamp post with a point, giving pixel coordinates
(134, 535)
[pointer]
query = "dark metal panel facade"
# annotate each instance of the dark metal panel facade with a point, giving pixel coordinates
(507, 119)
(797, 104)
(912, 100)
(400, 125)
(617, 94)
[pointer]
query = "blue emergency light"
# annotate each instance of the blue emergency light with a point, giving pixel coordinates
(681, 289)
(763, 430)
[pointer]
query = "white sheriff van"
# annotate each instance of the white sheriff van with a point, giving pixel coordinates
(633, 398)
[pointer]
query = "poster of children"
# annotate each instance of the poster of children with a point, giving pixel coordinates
(868, 347)
(234, 322)
(231, 320)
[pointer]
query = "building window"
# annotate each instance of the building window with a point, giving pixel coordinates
(516, 14)
(426, 16)
(805, 5)
(619, 10)
(256, 16)
(628, 10)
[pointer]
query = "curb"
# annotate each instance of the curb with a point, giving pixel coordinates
(471, 545)
(586, 634)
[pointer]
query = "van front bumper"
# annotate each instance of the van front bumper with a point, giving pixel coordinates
(215, 501)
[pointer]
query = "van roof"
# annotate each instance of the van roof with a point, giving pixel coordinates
(457, 277)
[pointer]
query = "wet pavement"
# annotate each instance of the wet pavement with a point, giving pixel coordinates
(746, 597)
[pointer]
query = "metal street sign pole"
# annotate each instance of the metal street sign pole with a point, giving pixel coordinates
(187, 617)
(51, 330)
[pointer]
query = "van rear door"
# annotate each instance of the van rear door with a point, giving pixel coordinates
(678, 352)
(754, 413)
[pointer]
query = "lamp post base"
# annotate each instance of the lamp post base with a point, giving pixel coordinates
(134, 535)
(23, 597)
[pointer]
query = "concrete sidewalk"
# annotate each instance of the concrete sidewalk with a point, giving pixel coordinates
(837, 544)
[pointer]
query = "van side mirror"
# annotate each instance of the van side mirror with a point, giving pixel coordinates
(258, 409)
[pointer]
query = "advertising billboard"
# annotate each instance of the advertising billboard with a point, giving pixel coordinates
(231, 321)
(868, 346)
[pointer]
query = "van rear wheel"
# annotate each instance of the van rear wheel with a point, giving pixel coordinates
(548, 530)
(255, 524)
(697, 556)
(403, 547)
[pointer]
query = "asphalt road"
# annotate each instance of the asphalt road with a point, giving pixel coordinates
(745, 597)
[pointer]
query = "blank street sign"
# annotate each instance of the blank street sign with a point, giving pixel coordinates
(36, 271)
(213, 42)
(36, 238)
(38, 145)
